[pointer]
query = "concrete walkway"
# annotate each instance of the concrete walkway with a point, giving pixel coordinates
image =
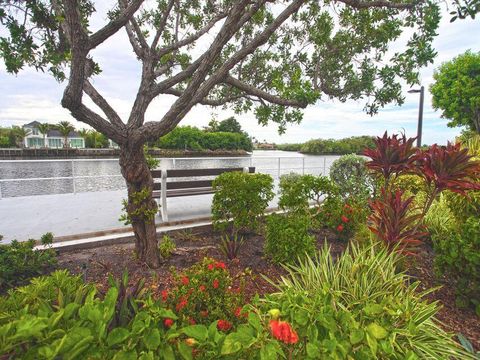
(29, 217)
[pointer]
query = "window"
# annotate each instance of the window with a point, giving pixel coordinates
(34, 142)
(55, 143)
(76, 143)
(35, 131)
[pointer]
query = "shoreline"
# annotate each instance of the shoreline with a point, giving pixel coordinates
(35, 154)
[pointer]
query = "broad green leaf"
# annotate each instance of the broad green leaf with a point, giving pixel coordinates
(377, 331)
(356, 336)
(184, 350)
(152, 339)
(117, 336)
(198, 332)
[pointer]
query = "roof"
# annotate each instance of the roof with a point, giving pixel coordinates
(32, 124)
(53, 132)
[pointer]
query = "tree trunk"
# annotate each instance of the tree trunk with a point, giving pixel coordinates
(138, 177)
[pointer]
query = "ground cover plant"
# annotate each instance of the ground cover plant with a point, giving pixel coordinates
(19, 261)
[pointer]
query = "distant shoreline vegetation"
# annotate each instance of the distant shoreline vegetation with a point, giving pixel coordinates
(350, 145)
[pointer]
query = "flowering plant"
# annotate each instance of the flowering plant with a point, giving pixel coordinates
(205, 293)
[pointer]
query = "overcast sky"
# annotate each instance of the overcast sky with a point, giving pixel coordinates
(35, 96)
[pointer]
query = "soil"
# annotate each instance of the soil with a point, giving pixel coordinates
(97, 264)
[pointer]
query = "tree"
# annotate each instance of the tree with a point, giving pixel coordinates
(43, 129)
(456, 91)
(229, 125)
(271, 58)
(65, 129)
(20, 134)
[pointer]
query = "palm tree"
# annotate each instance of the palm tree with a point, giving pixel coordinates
(20, 134)
(65, 129)
(43, 129)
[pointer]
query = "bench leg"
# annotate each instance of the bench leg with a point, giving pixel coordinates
(163, 208)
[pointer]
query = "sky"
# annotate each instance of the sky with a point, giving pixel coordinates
(32, 95)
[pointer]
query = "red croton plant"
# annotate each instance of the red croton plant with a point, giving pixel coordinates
(447, 167)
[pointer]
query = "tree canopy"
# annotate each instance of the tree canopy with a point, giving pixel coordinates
(456, 91)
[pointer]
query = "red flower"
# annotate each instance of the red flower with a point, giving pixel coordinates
(185, 280)
(224, 325)
(215, 284)
(340, 228)
(168, 323)
(210, 266)
(345, 219)
(192, 321)
(181, 304)
(220, 265)
(204, 313)
(238, 312)
(282, 331)
(164, 295)
(201, 288)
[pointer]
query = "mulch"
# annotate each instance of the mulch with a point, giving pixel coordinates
(97, 264)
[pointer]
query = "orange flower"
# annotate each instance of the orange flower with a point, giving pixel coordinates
(215, 284)
(282, 331)
(168, 323)
(224, 325)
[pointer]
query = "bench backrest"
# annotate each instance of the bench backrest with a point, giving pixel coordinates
(185, 173)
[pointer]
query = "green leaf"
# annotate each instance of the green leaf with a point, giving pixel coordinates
(372, 344)
(268, 352)
(313, 350)
(356, 336)
(152, 339)
(117, 336)
(126, 355)
(231, 344)
(168, 353)
(184, 350)
(377, 331)
(373, 309)
(198, 332)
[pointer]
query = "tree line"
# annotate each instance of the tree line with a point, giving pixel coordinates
(350, 145)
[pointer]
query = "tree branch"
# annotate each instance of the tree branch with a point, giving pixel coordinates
(100, 101)
(206, 101)
(253, 91)
(162, 24)
(190, 39)
(357, 4)
(113, 26)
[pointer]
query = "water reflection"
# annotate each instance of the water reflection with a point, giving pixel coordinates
(106, 172)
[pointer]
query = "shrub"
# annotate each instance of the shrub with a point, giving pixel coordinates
(394, 223)
(297, 192)
(351, 176)
(457, 252)
(167, 246)
(287, 238)
(358, 307)
(242, 198)
(204, 293)
(19, 261)
(342, 217)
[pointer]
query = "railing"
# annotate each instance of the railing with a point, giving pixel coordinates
(271, 165)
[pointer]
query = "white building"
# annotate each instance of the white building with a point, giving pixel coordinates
(54, 138)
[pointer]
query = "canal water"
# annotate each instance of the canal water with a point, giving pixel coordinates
(44, 177)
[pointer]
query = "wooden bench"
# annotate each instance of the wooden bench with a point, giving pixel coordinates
(164, 189)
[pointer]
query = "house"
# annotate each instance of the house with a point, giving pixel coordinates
(54, 139)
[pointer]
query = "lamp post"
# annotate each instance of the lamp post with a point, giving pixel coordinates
(420, 114)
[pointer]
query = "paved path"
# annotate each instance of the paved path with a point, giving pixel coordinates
(22, 218)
